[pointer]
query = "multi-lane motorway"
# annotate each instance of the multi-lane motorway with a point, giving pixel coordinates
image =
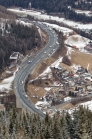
(24, 71)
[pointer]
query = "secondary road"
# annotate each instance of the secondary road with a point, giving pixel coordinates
(23, 73)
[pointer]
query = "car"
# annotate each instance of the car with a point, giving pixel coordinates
(50, 46)
(57, 43)
(29, 62)
(26, 96)
(45, 52)
(48, 54)
(53, 49)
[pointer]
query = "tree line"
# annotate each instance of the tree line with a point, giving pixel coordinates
(82, 4)
(56, 6)
(47, 5)
(72, 15)
(77, 125)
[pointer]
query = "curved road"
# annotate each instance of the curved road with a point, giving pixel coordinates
(23, 73)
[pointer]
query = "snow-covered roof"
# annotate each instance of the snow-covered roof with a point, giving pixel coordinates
(14, 55)
(67, 98)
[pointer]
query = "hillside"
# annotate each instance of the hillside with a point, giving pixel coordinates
(61, 126)
(4, 13)
(16, 37)
(47, 5)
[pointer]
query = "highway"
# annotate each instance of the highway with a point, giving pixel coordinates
(24, 71)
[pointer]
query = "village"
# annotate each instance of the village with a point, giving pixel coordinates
(67, 85)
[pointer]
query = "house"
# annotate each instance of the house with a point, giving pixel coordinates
(90, 13)
(14, 57)
(74, 47)
(67, 99)
(59, 67)
(89, 47)
(71, 74)
(89, 88)
(62, 91)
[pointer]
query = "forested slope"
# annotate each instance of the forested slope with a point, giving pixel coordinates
(18, 38)
(63, 7)
(64, 126)
(49, 5)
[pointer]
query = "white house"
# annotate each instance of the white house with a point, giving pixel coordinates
(66, 99)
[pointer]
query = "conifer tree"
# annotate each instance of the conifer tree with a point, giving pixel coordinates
(11, 128)
(70, 125)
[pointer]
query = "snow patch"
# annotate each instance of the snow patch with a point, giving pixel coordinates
(24, 23)
(66, 31)
(47, 88)
(41, 104)
(87, 13)
(87, 104)
(56, 63)
(78, 41)
(6, 84)
(88, 66)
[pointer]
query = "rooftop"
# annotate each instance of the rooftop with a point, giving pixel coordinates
(14, 55)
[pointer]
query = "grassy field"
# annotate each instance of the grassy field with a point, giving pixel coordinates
(83, 59)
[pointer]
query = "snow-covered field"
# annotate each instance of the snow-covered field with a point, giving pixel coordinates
(87, 13)
(6, 84)
(78, 41)
(65, 31)
(87, 104)
(24, 23)
(39, 15)
(41, 104)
